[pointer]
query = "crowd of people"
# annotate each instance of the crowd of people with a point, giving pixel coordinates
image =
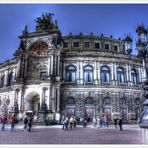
(100, 122)
(27, 120)
(67, 122)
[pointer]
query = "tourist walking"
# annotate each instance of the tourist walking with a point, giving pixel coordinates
(30, 122)
(66, 122)
(115, 121)
(94, 122)
(62, 122)
(25, 120)
(4, 119)
(12, 120)
(85, 122)
(75, 122)
(98, 122)
(71, 121)
(120, 123)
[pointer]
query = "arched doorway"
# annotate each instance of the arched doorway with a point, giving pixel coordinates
(89, 108)
(33, 102)
(107, 108)
(70, 107)
(123, 108)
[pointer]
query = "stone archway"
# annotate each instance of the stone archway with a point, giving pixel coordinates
(33, 102)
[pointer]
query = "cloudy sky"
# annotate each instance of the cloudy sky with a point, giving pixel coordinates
(109, 19)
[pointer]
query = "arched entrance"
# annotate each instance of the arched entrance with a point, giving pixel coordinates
(70, 107)
(123, 108)
(107, 108)
(89, 108)
(33, 102)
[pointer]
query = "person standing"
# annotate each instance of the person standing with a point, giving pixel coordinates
(12, 120)
(115, 121)
(4, 119)
(29, 123)
(75, 122)
(25, 122)
(66, 122)
(120, 123)
(71, 121)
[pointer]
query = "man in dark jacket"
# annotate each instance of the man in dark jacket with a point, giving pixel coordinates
(120, 123)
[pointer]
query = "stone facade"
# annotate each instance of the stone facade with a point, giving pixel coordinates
(82, 75)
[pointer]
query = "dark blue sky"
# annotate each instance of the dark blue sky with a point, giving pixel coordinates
(109, 19)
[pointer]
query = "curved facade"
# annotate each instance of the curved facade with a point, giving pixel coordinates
(85, 75)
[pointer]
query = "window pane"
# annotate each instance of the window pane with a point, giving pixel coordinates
(115, 47)
(86, 44)
(97, 45)
(76, 44)
(106, 46)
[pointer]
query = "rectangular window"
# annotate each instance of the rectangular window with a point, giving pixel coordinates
(86, 44)
(65, 45)
(106, 46)
(115, 48)
(76, 44)
(97, 45)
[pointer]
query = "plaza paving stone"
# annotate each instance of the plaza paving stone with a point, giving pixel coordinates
(131, 134)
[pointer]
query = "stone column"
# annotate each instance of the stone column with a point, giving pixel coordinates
(64, 72)
(115, 71)
(81, 72)
(50, 98)
(112, 73)
(130, 78)
(58, 65)
(140, 74)
(95, 73)
(25, 70)
(49, 65)
(127, 74)
(6, 78)
(53, 99)
(144, 76)
(99, 75)
(77, 73)
(58, 100)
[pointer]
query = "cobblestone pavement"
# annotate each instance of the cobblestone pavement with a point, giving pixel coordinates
(131, 134)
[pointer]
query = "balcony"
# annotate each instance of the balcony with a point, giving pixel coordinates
(105, 83)
(89, 83)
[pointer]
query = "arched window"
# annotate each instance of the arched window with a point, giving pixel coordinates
(89, 100)
(105, 74)
(123, 102)
(120, 75)
(106, 101)
(134, 76)
(137, 101)
(10, 79)
(88, 74)
(71, 101)
(71, 73)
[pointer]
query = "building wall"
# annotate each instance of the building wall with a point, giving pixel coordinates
(40, 77)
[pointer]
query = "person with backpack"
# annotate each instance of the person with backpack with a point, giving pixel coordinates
(4, 119)
(12, 120)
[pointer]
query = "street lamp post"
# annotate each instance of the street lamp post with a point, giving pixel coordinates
(142, 45)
